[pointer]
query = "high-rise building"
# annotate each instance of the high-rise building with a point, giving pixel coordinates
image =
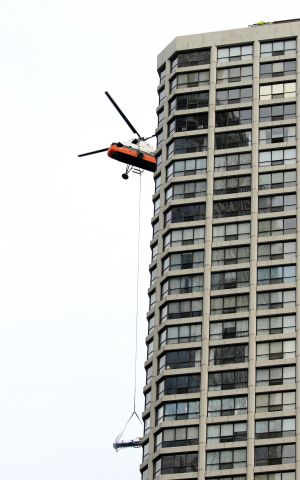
(222, 392)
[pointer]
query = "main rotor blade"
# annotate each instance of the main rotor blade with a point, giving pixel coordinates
(122, 115)
(92, 153)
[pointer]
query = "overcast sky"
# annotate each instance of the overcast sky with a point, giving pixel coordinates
(68, 242)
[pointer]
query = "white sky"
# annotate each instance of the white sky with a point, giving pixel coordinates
(69, 226)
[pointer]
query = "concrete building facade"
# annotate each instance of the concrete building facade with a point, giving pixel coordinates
(222, 371)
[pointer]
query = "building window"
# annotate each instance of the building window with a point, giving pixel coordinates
(230, 279)
(190, 79)
(275, 324)
(230, 255)
(229, 304)
(177, 437)
(146, 425)
(277, 134)
(228, 354)
(186, 410)
(183, 260)
(154, 252)
(232, 208)
(275, 476)
(191, 166)
(231, 231)
(235, 161)
(157, 183)
(276, 251)
(153, 275)
(162, 72)
(179, 359)
(155, 229)
(186, 190)
(277, 112)
(227, 432)
(191, 58)
(188, 101)
(275, 428)
(227, 406)
(277, 299)
(181, 309)
(161, 94)
(188, 122)
(226, 459)
(148, 396)
(234, 74)
(234, 95)
(156, 206)
(179, 463)
(228, 329)
(276, 350)
(277, 203)
(185, 213)
(277, 90)
(149, 371)
(187, 145)
(160, 117)
(275, 376)
(275, 454)
(150, 321)
(180, 334)
(277, 226)
(272, 158)
(278, 47)
(145, 451)
(235, 53)
(152, 299)
(276, 274)
(178, 384)
(277, 179)
(227, 118)
(275, 402)
(233, 139)
(228, 185)
(228, 380)
(277, 69)
(184, 236)
(182, 285)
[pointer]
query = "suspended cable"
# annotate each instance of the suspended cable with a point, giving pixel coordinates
(134, 413)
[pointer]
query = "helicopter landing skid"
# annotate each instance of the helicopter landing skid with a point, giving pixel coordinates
(130, 168)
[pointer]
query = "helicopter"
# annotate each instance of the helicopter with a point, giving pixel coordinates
(136, 153)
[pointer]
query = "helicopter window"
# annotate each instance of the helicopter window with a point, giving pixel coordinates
(186, 190)
(192, 166)
(188, 59)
